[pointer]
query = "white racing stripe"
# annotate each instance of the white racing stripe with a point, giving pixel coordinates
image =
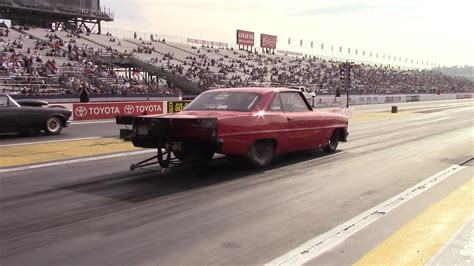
(327, 241)
(80, 160)
(48, 141)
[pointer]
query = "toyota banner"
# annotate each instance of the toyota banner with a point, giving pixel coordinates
(106, 110)
(245, 38)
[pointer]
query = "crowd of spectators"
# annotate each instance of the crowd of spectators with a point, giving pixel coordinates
(323, 77)
(36, 71)
(206, 66)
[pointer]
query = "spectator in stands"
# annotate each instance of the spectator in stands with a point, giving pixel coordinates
(84, 95)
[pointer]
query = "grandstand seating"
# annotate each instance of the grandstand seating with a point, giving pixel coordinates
(203, 66)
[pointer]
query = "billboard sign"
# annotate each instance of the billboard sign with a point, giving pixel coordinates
(463, 96)
(268, 41)
(245, 38)
(412, 98)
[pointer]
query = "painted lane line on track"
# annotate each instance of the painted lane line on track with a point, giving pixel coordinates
(330, 239)
(415, 242)
(450, 241)
(73, 161)
(47, 141)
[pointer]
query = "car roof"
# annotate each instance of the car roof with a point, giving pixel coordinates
(260, 90)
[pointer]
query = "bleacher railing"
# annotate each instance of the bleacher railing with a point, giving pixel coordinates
(104, 13)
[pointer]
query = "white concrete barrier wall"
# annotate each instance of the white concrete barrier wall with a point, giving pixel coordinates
(331, 101)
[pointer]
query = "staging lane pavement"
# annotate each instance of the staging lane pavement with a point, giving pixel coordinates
(98, 213)
(105, 128)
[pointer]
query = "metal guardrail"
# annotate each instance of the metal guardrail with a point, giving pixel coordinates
(103, 13)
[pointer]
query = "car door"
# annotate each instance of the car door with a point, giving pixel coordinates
(304, 124)
(8, 115)
(32, 117)
(279, 124)
(16, 118)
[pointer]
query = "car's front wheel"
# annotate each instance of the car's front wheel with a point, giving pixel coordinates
(333, 142)
(53, 126)
(261, 153)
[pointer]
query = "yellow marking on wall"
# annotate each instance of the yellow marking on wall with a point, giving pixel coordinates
(370, 116)
(417, 241)
(36, 153)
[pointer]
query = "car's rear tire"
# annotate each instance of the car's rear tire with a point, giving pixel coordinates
(179, 155)
(333, 142)
(261, 153)
(53, 126)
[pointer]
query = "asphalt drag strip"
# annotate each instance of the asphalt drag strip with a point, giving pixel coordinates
(327, 241)
(97, 212)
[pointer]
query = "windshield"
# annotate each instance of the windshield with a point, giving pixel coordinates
(225, 100)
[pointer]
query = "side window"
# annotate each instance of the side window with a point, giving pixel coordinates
(275, 106)
(293, 102)
(3, 101)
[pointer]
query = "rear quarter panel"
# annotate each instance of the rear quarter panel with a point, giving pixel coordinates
(36, 117)
(239, 132)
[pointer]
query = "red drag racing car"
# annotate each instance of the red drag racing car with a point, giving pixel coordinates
(252, 123)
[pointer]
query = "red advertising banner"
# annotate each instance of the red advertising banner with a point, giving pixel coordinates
(90, 111)
(268, 41)
(245, 37)
(204, 42)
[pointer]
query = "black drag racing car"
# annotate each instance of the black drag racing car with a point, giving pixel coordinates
(27, 116)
